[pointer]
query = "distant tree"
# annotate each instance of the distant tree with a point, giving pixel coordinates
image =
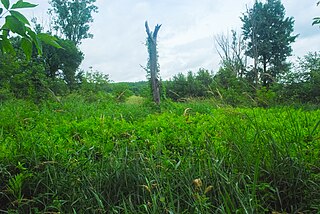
(190, 85)
(153, 66)
(176, 88)
(95, 82)
(72, 18)
(204, 77)
(301, 84)
(231, 53)
(309, 67)
(268, 34)
(226, 78)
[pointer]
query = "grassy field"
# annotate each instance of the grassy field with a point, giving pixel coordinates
(84, 156)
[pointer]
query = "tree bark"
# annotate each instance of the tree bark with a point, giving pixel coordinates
(153, 61)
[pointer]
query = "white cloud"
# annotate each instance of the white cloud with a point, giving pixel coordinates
(186, 38)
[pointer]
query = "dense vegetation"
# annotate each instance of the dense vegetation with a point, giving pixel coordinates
(244, 139)
(103, 156)
(300, 84)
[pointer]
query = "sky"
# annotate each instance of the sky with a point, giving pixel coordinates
(186, 40)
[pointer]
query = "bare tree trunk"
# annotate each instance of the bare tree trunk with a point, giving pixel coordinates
(153, 62)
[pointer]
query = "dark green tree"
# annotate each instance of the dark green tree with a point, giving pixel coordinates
(204, 77)
(72, 18)
(190, 85)
(176, 88)
(268, 34)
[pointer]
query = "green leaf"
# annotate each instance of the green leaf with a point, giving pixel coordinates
(26, 46)
(5, 32)
(7, 46)
(15, 25)
(316, 21)
(48, 39)
(20, 17)
(6, 3)
(22, 4)
(35, 40)
(1, 10)
(1, 47)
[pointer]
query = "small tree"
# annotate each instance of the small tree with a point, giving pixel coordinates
(153, 66)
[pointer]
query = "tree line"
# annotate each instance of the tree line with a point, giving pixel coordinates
(254, 67)
(43, 63)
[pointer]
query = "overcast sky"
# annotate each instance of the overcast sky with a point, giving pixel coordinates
(185, 40)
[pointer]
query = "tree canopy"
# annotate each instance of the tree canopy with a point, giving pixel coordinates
(268, 34)
(63, 63)
(72, 18)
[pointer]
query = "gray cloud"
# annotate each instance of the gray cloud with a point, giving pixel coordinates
(186, 38)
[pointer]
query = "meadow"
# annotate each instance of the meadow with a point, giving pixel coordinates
(101, 156)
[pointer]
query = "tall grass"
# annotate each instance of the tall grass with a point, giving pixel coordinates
(82, 156)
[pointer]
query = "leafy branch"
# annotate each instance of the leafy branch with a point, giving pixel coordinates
(18, 24)
(316, 20)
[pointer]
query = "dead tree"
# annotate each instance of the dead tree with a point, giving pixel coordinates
(153, 67)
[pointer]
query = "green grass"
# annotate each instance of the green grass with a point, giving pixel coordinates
(82, 156)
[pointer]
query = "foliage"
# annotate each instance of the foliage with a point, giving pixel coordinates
(140, 88)
(63, 63)
(224, 87)
(302, 83)
(38, 78)
(20, 77)
(105, 157)
(95, 82)
(121, 91)
(268, 34)
(72, 18)
(191, 85)
(17, 23)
